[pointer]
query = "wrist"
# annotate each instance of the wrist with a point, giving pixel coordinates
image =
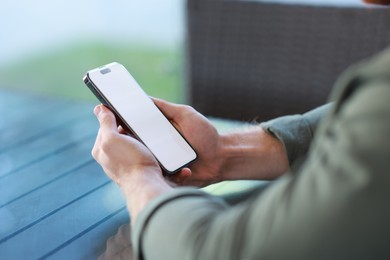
(237, 151)
(141, 186)
(141, 179)
(252, 154)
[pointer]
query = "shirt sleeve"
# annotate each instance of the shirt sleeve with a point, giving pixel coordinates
(336, 208)
(296, 132)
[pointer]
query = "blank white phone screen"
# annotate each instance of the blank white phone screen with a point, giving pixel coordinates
(142, 116)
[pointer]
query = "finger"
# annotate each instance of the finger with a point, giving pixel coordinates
(186, 172)
(106, 119)
(182, 176)
(121, 130)
(170, 110)
(95, 148)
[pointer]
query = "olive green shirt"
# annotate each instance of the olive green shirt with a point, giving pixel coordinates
(333, 206)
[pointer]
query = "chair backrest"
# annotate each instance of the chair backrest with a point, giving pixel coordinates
(253, 59)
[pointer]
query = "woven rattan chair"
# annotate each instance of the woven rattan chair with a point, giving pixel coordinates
(259, 60)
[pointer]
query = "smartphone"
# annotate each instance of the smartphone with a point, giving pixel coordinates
(135, 111)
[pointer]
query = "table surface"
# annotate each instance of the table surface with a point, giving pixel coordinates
(55, 200)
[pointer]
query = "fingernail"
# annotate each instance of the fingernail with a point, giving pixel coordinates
(97, 110)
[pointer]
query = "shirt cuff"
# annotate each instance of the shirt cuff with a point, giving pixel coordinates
(296, 132)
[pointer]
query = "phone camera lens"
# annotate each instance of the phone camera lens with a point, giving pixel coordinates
(105, 71)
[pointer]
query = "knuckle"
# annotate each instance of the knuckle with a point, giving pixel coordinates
(105, 145)
(105, 119)
(188, 109)
(108, 142)
(93, 153)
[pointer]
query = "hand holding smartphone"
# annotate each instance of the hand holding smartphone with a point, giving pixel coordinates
(114, 86)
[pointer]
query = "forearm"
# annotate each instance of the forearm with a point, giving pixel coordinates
(268, 150)
(253, 154)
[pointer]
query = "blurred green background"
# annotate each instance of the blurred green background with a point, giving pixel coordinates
(48, 47)
(158, 71)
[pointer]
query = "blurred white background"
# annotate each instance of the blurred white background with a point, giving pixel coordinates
(31, 26)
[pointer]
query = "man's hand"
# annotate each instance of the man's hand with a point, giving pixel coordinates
(119, 154)
(203, 137)
(249, 154)
(127, 162)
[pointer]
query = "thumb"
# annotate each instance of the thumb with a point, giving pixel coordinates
(182, 177)
(170, 110)
(106, 118)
